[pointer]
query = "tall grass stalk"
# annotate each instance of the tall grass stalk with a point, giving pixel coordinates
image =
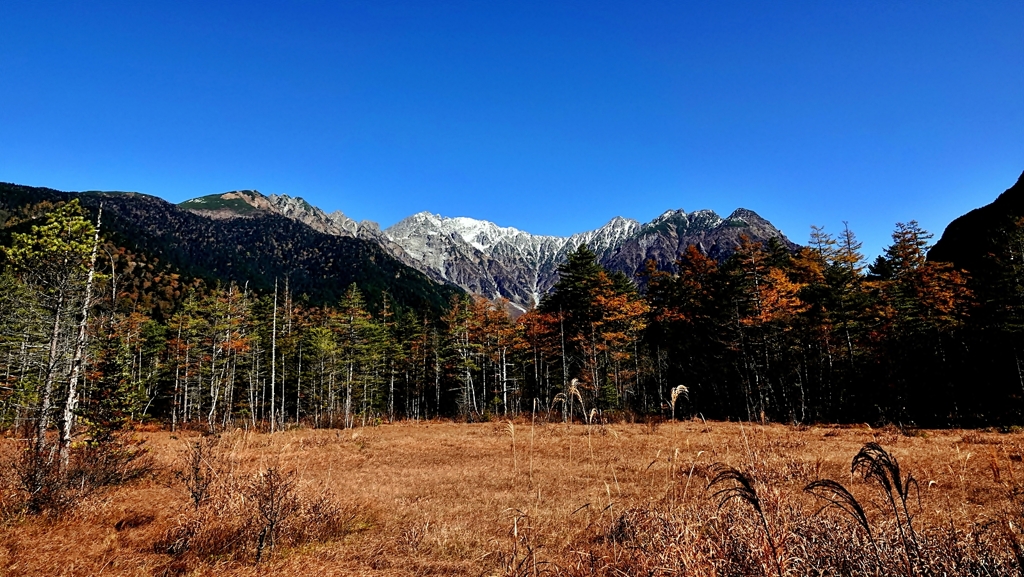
(533, 423)
(510, 428)
(736, 485)
(874, 462)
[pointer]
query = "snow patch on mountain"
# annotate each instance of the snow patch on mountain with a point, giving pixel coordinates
(495, 261)
(488, 259)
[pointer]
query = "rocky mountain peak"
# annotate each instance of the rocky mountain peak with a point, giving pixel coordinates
(250, 203)
(745, 215)
(502, 261)
(234, 204)
(481, 234)
(669, 215)
(423, 218)
(289, 206)
(617, 229)
(485, 258)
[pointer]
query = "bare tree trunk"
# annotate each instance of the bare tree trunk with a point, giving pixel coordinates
(184, 390)
(71, 403)
(565, 366)
(437, 379)
(284, 359)
(273, 361)
(229, 393)
(391, 398)
(504, 381)
(217, 380)
(348, 398)
(46, 400)
(254, 383)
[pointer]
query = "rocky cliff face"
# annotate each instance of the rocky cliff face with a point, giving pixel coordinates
(666, 237)
(493, 261)
(249, 243)
(252, 203)
(249, 203)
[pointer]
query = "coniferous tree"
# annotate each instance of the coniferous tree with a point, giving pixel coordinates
(925, 305)
(55, 261)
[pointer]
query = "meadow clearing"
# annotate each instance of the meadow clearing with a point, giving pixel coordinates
(522, 498)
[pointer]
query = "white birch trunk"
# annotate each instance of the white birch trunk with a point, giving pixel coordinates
(71, 402)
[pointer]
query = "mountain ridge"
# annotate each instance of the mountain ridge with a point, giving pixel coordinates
(491, 260)
(970, 238)
(256, 250)
(494, 261)
(251, 203)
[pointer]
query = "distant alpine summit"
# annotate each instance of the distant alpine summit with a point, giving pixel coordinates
(249, 203)
(493, 261)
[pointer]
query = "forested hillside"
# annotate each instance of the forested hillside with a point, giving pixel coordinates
(255, 251)
(107, 329)
(970, 241)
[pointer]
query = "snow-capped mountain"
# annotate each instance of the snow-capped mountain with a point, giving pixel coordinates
(666, 237)
(494, 261)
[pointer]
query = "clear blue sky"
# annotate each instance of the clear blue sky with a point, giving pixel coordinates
(550, 117)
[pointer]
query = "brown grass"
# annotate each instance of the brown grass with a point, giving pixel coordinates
(456, 499)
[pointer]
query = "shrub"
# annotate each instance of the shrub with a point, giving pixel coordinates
(242, 519)
(40, 486)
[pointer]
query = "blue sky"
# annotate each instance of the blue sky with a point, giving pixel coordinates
(550, 117)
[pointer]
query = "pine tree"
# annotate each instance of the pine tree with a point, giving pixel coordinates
(57, 260)
(355, 330)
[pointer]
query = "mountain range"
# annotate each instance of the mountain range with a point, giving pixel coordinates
(247, 237)
(493, 261)
(257, 251)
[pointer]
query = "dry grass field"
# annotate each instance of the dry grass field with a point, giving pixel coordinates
(501, 498)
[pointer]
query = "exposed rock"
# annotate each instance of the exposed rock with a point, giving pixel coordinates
(251, 203)
(251, 243)
(493, 261)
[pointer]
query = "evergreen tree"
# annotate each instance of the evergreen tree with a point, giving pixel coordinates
(925, 305)
(57, 261)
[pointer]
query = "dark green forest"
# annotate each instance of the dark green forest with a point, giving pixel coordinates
(101, 328)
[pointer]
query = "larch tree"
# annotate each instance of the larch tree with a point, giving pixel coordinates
(925, 303)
